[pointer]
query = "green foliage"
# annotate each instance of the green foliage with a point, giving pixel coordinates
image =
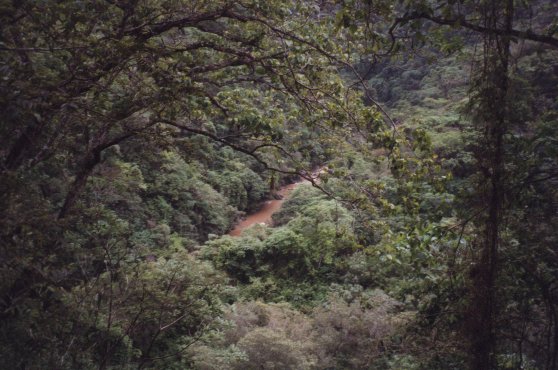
(300, 198)
(132, 132)
(179, 187)
(119, 305)
(241, 185)
(289, 262)
(338, 334)
(354, 335)
(239, 257)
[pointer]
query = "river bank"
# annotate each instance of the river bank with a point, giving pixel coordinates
(269, 207)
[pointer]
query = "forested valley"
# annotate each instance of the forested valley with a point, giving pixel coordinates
(404, 155)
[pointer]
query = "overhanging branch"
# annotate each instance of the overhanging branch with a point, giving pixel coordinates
(461, 21)
(251, 152)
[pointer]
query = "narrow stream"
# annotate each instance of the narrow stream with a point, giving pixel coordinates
(268, 209)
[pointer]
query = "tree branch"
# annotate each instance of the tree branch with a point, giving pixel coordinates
(251, 152)
(461, 21)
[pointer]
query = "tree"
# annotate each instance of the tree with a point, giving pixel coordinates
(129, 69)
(496, 115)
(85, 84)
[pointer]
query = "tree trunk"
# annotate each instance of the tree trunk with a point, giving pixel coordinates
(492, 117)
(79, 183)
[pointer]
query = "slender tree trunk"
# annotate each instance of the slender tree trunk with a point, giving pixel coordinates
(79, 183)
(16, 154)
(92, 159)
(492, 116)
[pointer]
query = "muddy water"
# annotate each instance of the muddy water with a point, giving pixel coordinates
(268, 208)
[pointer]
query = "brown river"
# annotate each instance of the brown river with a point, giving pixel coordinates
(270, 206)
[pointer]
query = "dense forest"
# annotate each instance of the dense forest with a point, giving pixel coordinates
(406, 154)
